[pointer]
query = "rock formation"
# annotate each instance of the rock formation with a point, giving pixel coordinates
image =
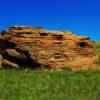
(23, 46)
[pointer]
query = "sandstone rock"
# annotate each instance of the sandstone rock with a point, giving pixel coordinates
(23, 46)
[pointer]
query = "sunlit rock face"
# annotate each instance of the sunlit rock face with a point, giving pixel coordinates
(23, 46)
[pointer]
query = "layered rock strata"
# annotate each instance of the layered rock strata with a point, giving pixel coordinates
(23, 46)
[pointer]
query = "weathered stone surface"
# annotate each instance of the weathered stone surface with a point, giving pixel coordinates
(23, 46)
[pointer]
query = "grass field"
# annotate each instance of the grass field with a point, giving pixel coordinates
(47, 85)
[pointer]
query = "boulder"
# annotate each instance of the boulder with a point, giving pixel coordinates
(35, 47)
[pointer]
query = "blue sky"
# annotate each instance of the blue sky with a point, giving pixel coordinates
(79, 16)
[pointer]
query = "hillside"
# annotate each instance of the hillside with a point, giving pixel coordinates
(50, 85)
(97, 47)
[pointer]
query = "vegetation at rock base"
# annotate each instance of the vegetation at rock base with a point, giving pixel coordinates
(97, 47)
(50, 85)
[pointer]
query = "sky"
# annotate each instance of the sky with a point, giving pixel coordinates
(79, 16)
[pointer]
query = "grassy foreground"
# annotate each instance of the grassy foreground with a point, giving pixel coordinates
(46, 85)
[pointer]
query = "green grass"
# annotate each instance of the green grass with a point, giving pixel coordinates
(97, 47)
(47, 85)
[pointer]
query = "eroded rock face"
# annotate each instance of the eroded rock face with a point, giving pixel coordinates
(23, 46)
